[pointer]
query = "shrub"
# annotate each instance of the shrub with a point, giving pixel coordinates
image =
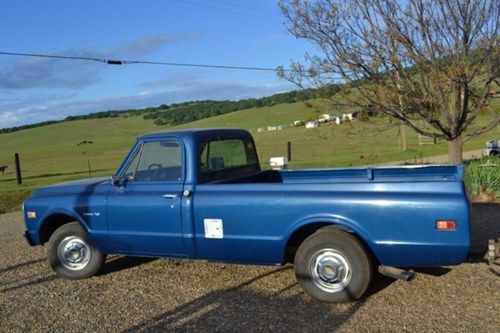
(483, 178)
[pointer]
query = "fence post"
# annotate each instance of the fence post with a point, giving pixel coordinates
(88, 163)
(289, 150)
(18, 169)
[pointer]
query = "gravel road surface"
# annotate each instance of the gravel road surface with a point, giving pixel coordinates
(134, 294)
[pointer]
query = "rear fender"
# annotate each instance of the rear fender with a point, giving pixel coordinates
(334, 220)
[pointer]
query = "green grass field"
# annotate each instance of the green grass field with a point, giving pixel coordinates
(50, 154)
(280, 114)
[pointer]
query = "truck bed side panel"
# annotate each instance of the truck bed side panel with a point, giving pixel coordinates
(395, 219)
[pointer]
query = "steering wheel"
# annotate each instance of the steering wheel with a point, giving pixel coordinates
(153, 173)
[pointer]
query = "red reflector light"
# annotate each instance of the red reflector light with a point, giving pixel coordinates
(446, 225)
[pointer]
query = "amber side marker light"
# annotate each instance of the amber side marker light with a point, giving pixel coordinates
(446, 225)
(31, 215)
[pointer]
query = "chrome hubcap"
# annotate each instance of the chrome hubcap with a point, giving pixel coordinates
(330, 270)
(73, 253)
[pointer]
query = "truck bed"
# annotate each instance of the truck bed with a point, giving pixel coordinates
(424, 173)
(393, 209)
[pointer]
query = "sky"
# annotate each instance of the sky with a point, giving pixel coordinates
(219, 32)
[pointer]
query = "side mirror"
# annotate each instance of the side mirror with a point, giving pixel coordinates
(117, 180)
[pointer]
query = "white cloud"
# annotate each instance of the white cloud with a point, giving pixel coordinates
(26, 73)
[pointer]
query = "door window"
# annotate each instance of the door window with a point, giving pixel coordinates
(156, 161)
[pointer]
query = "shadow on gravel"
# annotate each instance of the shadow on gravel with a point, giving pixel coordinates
(434, 271)
(122, 263)
(379, 282)
(244, 309)
(30, 283)
(485, 224)
(26, 263)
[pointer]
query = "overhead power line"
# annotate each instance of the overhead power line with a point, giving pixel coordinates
(228, 10)
(127, 62)
(230, 3)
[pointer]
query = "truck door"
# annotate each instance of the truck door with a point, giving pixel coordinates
(144, 209)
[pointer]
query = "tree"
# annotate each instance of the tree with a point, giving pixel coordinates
(431, 64)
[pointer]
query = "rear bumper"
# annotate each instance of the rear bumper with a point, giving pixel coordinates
(27, 236)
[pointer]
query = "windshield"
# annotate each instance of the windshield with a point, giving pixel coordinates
(156, 161)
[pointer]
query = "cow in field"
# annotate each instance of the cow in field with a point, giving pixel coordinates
(3, 168)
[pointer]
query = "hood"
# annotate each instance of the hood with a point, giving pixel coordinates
(87, 185)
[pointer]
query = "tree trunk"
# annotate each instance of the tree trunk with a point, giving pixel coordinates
(455, 150)
(402, 130)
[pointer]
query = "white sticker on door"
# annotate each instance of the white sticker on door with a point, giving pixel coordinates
(213, 228)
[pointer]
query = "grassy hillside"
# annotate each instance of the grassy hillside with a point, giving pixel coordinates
(51, 153)
(251, 119)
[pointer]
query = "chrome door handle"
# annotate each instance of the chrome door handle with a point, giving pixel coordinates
(170, 196)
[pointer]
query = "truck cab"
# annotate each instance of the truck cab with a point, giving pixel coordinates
(156, 184)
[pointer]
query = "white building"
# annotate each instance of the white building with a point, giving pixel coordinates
(298, 122)
(271, 128)
(347, 116)
(312, 124)
(328, 117)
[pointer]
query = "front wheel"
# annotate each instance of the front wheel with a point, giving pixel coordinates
(72, 254)
(333, 266)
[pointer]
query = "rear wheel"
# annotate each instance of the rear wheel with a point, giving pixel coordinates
(333, 266)
(72, 254)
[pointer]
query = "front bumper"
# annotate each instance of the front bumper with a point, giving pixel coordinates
(27, 236)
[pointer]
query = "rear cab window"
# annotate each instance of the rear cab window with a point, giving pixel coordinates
(226, 158)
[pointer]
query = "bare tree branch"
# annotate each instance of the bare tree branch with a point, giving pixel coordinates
(431, 64)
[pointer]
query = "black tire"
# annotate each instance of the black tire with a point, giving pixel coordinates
(333, 252)
(82, 256)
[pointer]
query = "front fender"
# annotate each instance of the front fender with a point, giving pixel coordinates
(60, 211)
(36, 227)
(98, 233)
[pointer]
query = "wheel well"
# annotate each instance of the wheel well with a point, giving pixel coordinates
(307, 230)
(51, 224)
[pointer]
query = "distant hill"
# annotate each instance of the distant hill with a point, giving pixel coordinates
(181, 113)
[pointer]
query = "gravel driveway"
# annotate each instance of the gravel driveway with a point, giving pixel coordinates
(150, 295)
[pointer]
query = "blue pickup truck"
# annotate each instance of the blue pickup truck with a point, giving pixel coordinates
(201, 194)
